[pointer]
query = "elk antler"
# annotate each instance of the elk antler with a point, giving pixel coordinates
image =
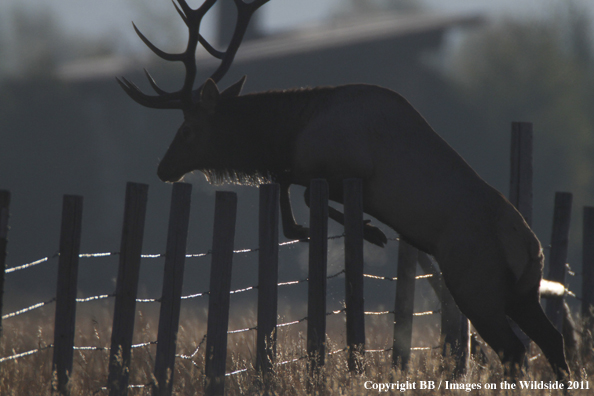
(182, 99)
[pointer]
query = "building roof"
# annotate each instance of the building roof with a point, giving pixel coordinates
(341, 32)
(346, 32)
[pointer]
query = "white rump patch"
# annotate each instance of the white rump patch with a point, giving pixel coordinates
(551, 289)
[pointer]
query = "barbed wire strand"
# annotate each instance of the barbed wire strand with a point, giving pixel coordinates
(93, 298)
(27, 309)
(28, 265)
(149, 256)
(22, 354)
(395, 278)
(76, 348)
(424, 313)
(195, 352)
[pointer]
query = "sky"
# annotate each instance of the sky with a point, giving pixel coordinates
(92, 17)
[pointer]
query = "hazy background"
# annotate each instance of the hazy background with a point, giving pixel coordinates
(528, 61)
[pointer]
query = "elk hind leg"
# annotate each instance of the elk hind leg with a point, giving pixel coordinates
(527, 312)
(497, 332)
(482, 303)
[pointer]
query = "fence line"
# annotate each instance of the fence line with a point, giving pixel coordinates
(201, 294)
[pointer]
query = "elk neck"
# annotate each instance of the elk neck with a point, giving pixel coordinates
(255, 133)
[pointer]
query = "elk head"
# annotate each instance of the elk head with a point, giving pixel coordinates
(197, 104)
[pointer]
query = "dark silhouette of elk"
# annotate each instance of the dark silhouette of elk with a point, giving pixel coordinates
(413, 180)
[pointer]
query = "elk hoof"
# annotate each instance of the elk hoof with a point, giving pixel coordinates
(297, 232)
(374, 235)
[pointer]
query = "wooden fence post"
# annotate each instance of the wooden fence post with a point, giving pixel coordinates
(65, 317)
(587, 282)
(588, 266)
(520, 191)
(4, 215)
(455, 328)
(404, 304)
(267, 277)
(126, 288)
(220, 286)
(353, 266)
(318, 260)
(520, 187)
(455, 331)
(558, 255)
(173, 277)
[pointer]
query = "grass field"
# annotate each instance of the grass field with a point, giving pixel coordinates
(31, 375)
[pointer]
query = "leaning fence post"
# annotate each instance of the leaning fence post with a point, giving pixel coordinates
(126, 288)
(353, 266)
(220, 286)
(558, 255)
(404, 304)
(4, 214)
(588, 279)
(318, 260)
(267, 277)
(66, 291)
(173, 276)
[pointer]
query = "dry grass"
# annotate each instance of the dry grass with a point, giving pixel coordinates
(31, 375)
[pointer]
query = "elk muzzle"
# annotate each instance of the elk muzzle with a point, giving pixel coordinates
(167, 174)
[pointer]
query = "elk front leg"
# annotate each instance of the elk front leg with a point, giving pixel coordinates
(370, 233)
(291, 229)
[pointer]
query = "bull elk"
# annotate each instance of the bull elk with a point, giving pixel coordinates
(414, 182)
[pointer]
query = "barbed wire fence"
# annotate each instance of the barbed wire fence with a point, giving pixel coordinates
(190, 357)
(48, 259)
(195, 295)
(53, 300)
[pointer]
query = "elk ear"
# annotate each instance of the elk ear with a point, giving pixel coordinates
(209, 95)
(235, 89)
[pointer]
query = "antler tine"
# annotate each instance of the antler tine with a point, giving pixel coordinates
(244, 14)
(151, 81)
(165, 101)
(211, 50)
(160, 53)
(181, 13)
